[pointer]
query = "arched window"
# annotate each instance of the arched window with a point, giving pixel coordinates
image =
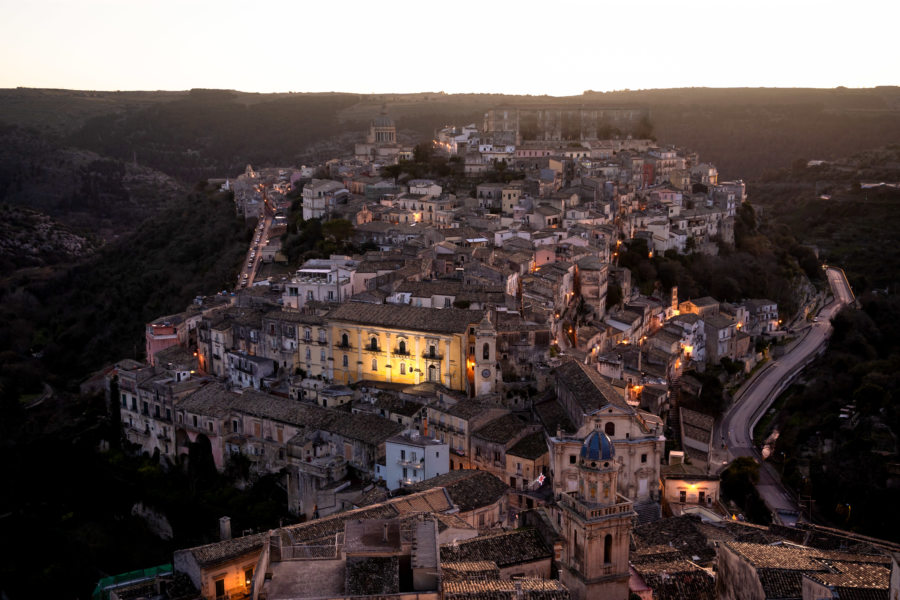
(374, 364)
(610, 429)
(401, 347)
(345, 362)
(432, 373)
(345, 341)
(607, 549)
(373, 344)
(486, 351)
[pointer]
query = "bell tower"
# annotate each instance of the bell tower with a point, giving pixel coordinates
(485, 357)
(596, 522)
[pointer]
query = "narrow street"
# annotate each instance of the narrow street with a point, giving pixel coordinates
(754, 398)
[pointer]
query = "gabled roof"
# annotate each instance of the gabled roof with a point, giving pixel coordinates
(506, 549)
(444, 320)
(500, 430)
(530, 447)
(588, 388)
(468, 489)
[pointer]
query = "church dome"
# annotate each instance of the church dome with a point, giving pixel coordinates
(382, 121)
(597, 446)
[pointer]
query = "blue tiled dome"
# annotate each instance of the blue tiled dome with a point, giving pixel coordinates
(597, 446)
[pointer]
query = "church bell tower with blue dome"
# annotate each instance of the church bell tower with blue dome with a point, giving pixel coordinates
(596, 522)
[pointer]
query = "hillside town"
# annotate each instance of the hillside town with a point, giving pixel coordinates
(483, 402)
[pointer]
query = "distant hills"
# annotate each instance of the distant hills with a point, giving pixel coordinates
(199, 133)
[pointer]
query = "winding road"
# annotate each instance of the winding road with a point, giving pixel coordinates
(757, 394)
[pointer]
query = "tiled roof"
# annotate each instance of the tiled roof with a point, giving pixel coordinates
(500, 430)
(443, 320)
(531, 447)
(853, 575)
(468, 408)
(506, 589)
(677, 579)
(470, 570)
(372, 575)
(396, 405)
(781, 583)
(505, 549)
(214, 399)
(718, 321)
(659, 553)
(468, 489)
(588, 387)
(218, 552)
(552, 415)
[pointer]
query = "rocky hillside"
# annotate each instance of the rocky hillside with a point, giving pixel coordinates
(32, 239)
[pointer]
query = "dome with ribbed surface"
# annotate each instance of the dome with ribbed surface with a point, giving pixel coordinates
(598, 446)
(382, 121)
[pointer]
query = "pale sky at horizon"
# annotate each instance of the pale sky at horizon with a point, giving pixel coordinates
(401, 46)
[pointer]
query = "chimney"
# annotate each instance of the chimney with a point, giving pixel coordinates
(424, 426)
(676, 457)
(225, 528)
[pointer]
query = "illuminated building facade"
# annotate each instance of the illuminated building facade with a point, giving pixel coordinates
(410, 345)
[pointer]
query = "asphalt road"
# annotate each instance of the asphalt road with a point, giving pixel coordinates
(263, 234)
(758, 393)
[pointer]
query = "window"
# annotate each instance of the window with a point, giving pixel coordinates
(431, 351)
(168, 414)
(402, 369)
(322, 356)
(330, 295)
(345, 341)
(308, 354)
(607, 549)
(220, 588)
(146, 408)
(307, 334)
(209, 426)
(610, 429)
(248, 576)
(156, 410)
(404, 473)
(373, 344)
(486, 352)
(643, 458)
(309, 295)
(682, 496)
(572, 459)
(322, 335)
(345, 362)
(413, 457)
(195, 420)
(374, 364)
(401, 347)
(403, 455)
(446, 302)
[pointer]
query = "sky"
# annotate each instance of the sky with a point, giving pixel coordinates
(524, 47)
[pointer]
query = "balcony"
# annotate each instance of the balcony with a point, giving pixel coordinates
(589, 513)
(415, 464)
(398, 352)
(432, 356)
(345, 347)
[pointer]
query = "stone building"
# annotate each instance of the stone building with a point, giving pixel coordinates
(596, 522)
